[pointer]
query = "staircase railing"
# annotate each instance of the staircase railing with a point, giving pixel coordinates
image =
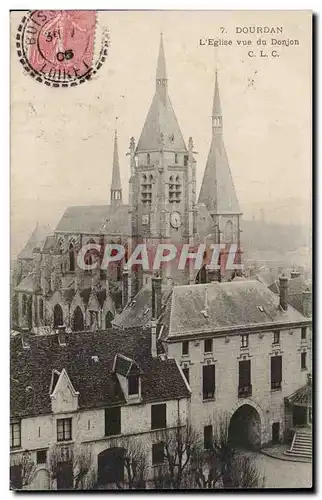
(293, 440)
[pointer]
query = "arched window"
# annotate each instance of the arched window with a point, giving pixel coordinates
(78, 320)
(229, 232)
(71, 250)
(89, 256)
(174, 189)
(58, 316)
(41, 309)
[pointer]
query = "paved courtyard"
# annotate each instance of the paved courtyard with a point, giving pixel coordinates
(284, 474)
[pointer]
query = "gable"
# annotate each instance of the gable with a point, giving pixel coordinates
(64, 398)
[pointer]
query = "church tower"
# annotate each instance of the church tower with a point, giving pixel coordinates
(116, 186)
(217, 191)
(162, 177)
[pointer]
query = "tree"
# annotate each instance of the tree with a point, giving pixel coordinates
(221, 466)
(135, 463)
(180, 445)
(77, 464)
(21, 469)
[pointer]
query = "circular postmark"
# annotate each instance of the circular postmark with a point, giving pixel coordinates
(59, 47)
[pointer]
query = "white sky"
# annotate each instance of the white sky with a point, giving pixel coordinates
(62, 139)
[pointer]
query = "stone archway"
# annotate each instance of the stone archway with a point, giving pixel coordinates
(110, 466)
(58, 316)
(245, 428)
(78, 320)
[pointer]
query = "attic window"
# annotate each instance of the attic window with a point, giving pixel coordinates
(145, 312)
(205, 313)
(25, 343)
(132, 303)
(260, 308)
(133, 384)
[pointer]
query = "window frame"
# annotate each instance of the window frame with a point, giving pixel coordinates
(13, 435)
(244, 340)
(204, 346)
(66, 431)
(130, 380)
(206, 395)
(112, 423)
(39, 462)
(304, 333)
(184, 344)
(207, 439)
(276, 384)
(157, 452)
(158, 425)
(276, 335)
(304, 357)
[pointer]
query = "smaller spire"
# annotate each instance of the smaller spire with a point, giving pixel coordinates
(216, 108)
(161, 69)
(116, 186)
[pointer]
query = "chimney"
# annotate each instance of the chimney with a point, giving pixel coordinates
(307, 302)
(295, 274)
(125, 286)
(156, 296)
(154, 338)
(283, 292)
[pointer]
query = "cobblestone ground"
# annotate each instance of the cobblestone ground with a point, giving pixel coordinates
(282, 473)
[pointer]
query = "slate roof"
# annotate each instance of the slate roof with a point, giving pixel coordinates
(229, 305)
(95, 219)
(161, 118)
(138, 312)
(296, 287)
(36, 240)
(124, 366)
(98, 386)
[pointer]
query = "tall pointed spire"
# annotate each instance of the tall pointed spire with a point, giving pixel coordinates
(161, 118)
(116, 186)
(161, 74)
(216, 110)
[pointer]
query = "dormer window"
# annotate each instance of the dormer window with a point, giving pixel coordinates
(133, 382)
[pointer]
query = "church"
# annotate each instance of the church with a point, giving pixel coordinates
(51, 291)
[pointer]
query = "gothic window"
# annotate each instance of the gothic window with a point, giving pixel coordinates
(175, 189)
(58, 316)
(146, 189)
(71, 252)
(89, 256)
(228, 233)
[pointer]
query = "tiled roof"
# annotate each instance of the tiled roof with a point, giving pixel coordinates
(228, 305)
(36, 240)
(138, 312)
(301, 397)
(95, 219)
(97, 384)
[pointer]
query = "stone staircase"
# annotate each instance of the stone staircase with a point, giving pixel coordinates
(301, 446)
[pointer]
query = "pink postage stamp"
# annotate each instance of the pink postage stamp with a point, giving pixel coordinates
(59, 47)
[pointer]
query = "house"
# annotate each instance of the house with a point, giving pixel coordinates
(84, 396)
